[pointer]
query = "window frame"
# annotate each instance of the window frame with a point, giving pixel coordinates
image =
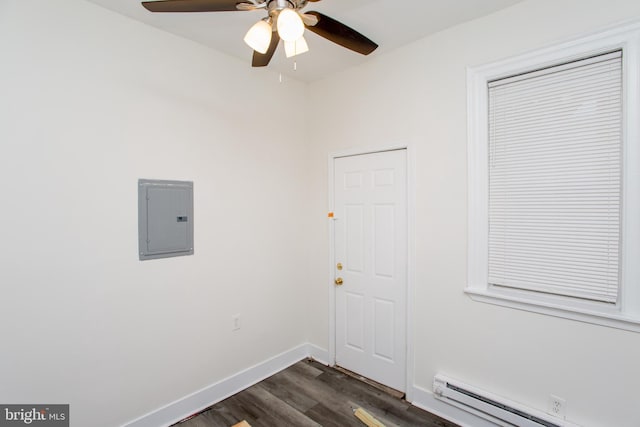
(625, 314)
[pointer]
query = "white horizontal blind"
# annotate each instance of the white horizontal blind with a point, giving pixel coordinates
(555, 147)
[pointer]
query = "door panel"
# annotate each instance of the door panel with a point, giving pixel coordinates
(355, 321)
(383, 240)
(384, 333)
(354, 238)
(371, 242)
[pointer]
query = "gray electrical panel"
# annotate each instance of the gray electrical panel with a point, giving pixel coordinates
(165, 218)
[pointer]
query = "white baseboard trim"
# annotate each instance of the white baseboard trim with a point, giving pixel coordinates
(424, 399)
(214, 393)
(210, 395)
(318, 354)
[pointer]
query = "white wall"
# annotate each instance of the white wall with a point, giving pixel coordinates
(91, 101)
(417, 94)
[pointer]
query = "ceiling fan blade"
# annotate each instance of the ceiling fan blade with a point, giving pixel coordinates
(262, 60)
(339, 33)
(191, 5)
(309, 20)
(246, 6)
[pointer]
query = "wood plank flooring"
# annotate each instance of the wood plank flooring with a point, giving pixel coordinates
(311, 394)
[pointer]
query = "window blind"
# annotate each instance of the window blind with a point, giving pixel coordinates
(555, 147)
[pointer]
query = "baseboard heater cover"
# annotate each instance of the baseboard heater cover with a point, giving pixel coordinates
(496, 409)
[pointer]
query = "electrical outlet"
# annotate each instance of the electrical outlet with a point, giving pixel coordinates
(557, 406)
(236, 322)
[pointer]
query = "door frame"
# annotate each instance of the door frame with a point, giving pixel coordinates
(411, 207)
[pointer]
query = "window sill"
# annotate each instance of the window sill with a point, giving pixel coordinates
(612, 320)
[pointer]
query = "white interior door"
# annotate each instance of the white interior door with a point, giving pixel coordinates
(370, 207)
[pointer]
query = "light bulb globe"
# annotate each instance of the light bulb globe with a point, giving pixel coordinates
(259, 36)
(290, 25)
(296, 48)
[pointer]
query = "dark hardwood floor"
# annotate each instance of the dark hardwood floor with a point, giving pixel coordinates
(311, 394)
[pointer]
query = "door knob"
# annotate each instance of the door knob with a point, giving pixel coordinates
(338, 281)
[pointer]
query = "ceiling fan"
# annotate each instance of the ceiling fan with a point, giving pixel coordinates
(285, 20)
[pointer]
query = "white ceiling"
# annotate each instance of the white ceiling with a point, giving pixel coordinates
(389, 23)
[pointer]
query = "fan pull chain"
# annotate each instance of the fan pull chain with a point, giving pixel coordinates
(280, 78)
(295, 65)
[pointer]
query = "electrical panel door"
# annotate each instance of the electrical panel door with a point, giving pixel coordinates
(165, 218)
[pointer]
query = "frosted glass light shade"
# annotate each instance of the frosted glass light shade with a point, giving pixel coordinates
(259, 36)
(296, 48)
(290, 25)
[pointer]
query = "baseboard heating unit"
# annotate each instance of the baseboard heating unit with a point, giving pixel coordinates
(495, 409)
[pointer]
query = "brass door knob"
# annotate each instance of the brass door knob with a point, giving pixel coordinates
(338, 281)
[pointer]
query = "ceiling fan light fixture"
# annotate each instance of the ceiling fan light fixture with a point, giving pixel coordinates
(296, 48)
(259, 36)
(286, 20)
(290, 25)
